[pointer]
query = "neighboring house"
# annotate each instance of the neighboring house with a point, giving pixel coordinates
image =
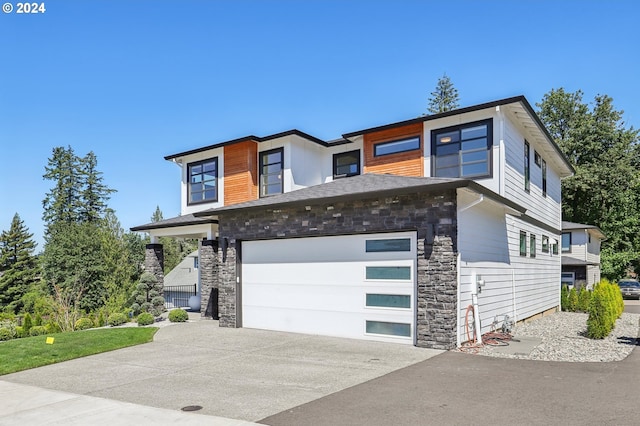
(581, 254)
(181, 282)
(384, 234)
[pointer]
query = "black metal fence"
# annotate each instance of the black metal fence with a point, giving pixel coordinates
(177, 296)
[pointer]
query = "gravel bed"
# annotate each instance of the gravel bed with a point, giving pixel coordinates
(563, 339)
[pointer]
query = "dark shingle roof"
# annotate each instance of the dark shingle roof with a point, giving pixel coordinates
(362, 186)
(188, 219)
(572, 226)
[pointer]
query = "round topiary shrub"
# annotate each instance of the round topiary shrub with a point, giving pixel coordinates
(37, 330)
(84, 324)
(178, 315)
(145, 318)
(117, 319)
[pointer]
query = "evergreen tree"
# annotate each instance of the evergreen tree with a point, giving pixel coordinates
(121, 273)
(62, 202)
(444, 97)
(94, 194)
(18, 265)
(605, 188)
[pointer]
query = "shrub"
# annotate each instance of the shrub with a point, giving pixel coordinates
(117, 319)
(7, 333)
(572, 302)
(37, 330)
(147, 295)
(52, 327)
(604, 309)
(27, 323)
(20, 332)
(584, 296)
(145, 318)
(101, 321)
(38, 320)
(84, 324)
(564, 298)
(178, 315)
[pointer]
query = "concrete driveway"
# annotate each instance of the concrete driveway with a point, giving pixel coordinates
(234, 373)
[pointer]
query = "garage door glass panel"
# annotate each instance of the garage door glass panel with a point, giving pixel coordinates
(388, 301)
(388, 272)
(396, 244)
(389, 328)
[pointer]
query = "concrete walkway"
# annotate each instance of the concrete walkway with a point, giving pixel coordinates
(240, 374)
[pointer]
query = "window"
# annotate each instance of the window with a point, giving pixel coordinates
(462, 151)
(544, 178)
(527, 166)
(554, 246)
(346, 164)
(395, 244)
(271, 170)
(566, 242)
(545, 244)
(532, 245)
(523, 243)
(393, 147)
(388, 272)
(388, 301)
(388, 328)
(536, 158)
(203, 181)
(196, 262)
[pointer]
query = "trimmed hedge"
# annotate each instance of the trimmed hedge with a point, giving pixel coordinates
(84, 324)
(605, 307)
(178, 315)
(145, 318)
(117, 319)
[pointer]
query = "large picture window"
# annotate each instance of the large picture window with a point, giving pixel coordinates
(203, 181)
(271, 171)
(346, 164)
(463, 151)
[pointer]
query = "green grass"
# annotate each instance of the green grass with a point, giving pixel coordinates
(30, 352)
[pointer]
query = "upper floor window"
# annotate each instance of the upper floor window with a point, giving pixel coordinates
(545, 244)
(393, 147)
(566, 242)
(462, 151)
(527, 166)
(532, 245)
(523, 243)
(346, 164)
(544, 178)
(203, 181)
(271, 171)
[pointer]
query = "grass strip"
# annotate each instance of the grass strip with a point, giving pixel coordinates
(30, 352)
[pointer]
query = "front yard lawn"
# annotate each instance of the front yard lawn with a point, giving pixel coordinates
(30, 352)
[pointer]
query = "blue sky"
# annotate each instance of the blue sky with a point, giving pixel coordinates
(136, 80)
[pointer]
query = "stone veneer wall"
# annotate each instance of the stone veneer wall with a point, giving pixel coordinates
(154, 261)
(432, 215)
(208, 264)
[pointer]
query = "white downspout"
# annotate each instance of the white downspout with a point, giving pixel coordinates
(458, 333)
(475, 289)
(501, 163)
(513, 295)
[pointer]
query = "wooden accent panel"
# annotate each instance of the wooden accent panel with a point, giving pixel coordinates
(408, 163)
(240, 172)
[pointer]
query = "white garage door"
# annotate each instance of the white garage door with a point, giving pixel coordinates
(357, 286)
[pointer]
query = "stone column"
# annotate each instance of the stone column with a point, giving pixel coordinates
(227, 281)
(208, 272)
(154, 261)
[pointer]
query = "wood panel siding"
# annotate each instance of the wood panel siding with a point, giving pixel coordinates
(240, 172)
(408, 163)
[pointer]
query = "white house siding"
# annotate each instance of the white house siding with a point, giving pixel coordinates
(546, 209)
(488, 243)
(578, 246)
(593, 250)
(337, 149)
(205, 155)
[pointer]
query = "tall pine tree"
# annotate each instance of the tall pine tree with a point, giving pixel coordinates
(18, 265)
(444, 97)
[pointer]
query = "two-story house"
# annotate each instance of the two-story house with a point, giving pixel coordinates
(581, 254)
(386, 233)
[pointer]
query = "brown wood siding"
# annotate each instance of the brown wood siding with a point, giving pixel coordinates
(403, 163)
(240, 172)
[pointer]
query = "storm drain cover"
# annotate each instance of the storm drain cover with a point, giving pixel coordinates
(191, 408)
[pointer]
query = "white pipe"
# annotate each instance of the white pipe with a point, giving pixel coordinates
(513, 294)
(458, 332)
(476, 310)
